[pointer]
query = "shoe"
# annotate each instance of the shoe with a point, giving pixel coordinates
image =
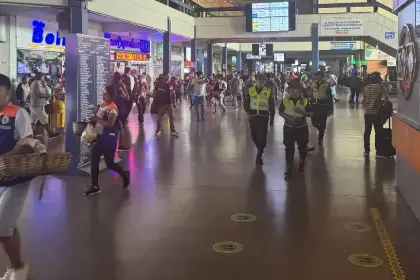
(20, 274)
(158, 133)
(7, 275)
(174, 133)
(123, 149)
(93, 190)
(288, 172)
(202, 118)
(309, 149)
(321, 142)
(379, 156)
(259, 160)
(126, 179)
(366, 154)
(54, 135)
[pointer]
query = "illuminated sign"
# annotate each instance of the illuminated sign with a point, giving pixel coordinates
(54, 39)
(49, 38)
(131, 56)
(189, 64)
(121, 43)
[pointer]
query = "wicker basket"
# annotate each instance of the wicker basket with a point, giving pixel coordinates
(20, 165)
(56, 163)
(79, 127)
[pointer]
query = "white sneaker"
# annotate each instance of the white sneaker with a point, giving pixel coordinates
(158, 133)
(20, 274)
(7, 275)
(174, 133)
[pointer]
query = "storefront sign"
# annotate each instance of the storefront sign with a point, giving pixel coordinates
(341, 26)
(189, 64)
(252, 57)
(54, 39)
(343, 46)
(38, 37)
(131, 56)
(123, 43)
(389, 35)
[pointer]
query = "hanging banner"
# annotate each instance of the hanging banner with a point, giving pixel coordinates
(341, 26)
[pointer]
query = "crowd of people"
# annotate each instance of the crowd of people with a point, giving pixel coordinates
(298, 98)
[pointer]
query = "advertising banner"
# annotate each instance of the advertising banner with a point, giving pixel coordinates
(341, 26)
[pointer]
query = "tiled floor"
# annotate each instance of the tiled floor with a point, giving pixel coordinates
(185, 190)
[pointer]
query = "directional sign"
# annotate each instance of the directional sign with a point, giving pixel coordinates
(389, 35)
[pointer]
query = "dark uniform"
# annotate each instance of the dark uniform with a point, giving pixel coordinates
(323, 107)
(295, 129)
(259, 104)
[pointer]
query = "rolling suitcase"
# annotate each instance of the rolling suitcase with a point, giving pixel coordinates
(384, 142)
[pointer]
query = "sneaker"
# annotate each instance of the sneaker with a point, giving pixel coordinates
(123, 149)
(20, 274)
(126, 179)
(379, 156)
(158, 133)
(321, 142)
(366, 154)
(54, 135)
(7, 275)
(174, 133)
(93, 190)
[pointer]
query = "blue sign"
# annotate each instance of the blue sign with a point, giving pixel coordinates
(343, 46)
(49, 38)
(389, 35)
(38, 37)
(142, 45)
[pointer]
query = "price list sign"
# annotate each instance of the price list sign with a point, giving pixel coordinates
(87, 72)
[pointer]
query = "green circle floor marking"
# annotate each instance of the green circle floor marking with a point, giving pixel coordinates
(243, 217)
(365, 260)
(355, 226)
(228, 247)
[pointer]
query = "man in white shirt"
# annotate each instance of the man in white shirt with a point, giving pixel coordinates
(15, 125)
(199, 85)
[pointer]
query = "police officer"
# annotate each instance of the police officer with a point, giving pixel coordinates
(294, 109)
(322, 105)
(259, 104)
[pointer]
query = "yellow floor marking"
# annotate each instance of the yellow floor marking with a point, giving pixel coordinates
(389, 250)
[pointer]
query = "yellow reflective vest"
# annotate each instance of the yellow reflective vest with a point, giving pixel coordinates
(290, 109)
(321, 93)
(260, 103)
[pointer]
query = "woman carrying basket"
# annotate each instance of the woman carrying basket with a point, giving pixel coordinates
(107, 128)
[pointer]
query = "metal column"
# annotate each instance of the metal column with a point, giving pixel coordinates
(239, 61)
(225, 58)
(167, 49)
(209, 68)
(315, 48)
(78, 16)
(194, 52)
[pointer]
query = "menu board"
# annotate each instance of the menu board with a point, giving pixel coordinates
(270, 17)
(87, 72)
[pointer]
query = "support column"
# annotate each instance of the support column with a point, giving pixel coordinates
(209, 69)
(167, 49)
(194, 52)
(224, 58)
(200, 60)
(239, 61)
(315, 48)
(78, 16)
